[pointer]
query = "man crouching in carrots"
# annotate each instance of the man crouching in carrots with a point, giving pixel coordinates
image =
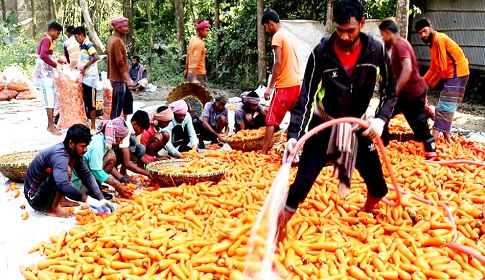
(48, 179)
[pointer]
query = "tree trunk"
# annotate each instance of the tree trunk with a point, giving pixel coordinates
(150, 32)
(261, 43)
(92, 32)
(127, 14)
(179, 16)
(49, 11)
(402, 17)
(217, 26)
(329, 19)
(4, 10)
(54, 12)
(34, 18)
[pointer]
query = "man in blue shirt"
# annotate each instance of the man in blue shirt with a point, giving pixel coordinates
(139, 75)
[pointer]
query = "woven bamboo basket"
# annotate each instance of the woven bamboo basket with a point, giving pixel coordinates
(176, 179)
(195, 95)
(251, 143)
(14, 165)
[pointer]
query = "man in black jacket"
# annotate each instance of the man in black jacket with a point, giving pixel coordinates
(339, 81)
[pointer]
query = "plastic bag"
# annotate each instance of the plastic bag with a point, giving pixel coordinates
(107, 96)
(69, 85)
(27, 94)
(7, 94)
(15, 79)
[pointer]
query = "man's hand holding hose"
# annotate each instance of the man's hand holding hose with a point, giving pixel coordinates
(376, 126)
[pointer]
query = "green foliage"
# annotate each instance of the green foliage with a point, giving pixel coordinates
(20, 54)
(379, 9)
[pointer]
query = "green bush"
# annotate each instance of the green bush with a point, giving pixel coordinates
(20, 54)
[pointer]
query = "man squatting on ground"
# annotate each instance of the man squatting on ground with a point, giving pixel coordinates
(48, 179)
(339, 81)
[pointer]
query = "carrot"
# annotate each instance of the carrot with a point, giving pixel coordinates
(25, 215)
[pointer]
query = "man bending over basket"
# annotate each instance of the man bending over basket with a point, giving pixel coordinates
(48, 179)
(249, 114)
(155, 138)
(101, 159)
(180, 130)
(214, 125)
(339, 81)
(131, 152)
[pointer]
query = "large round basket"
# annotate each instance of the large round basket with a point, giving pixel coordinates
(251, 143)
(195, 95)
(14, 165)
(168, 179)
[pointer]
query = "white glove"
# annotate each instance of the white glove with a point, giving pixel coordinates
(102, 206)
(289, 148)
(376, 126)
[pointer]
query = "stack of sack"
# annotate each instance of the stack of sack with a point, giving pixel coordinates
(13, 84)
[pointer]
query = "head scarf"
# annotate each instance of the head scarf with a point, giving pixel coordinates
(118, 22)
(164, 116)
(250, 97)
(112, 129)
(179, 107)
(221, 97)
(201, 24)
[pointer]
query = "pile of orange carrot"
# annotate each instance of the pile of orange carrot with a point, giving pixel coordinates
(201, 231)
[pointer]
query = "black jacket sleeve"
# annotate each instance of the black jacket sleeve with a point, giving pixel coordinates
(301, 113)
(387, 88)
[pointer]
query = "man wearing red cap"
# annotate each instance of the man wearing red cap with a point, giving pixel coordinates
(195, 63)
(118, 72)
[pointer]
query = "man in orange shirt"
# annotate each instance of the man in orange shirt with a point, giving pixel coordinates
(448, 63)
(118, 72)
(195, 72)
(285, 80)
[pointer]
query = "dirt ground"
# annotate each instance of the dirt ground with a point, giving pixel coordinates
(470, 116)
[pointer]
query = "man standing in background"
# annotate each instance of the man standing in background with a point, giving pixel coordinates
(88, 67)
(44, 71)
(71, 48)
(449, 64)
(118, 72)
(411, 88)
(196, 72)
(285, 80)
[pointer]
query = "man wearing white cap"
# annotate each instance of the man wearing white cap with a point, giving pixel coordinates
(118, 72)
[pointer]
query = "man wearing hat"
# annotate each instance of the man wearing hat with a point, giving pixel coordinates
(118, 71)
(195, 62)
(180, 129)
(245, 113)
(101, 159)
(214, 125)
(155, 137)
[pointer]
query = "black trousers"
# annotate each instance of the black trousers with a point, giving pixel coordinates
(119, 91)
(414, 111)
(314, 157)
